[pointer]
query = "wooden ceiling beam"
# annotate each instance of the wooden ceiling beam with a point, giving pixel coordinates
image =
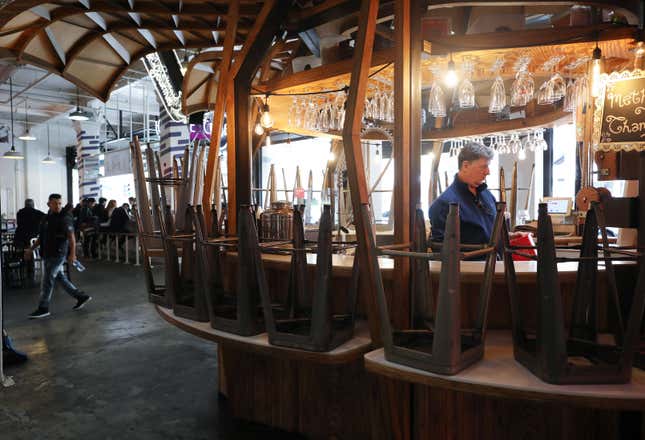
(301, 20)
(159, 8)
(628, 6)
(323, 72)
(105, 94)
(530, 38)
(65, 13)
(81, 44)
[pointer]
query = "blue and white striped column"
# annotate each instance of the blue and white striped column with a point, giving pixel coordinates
(173, 139)
(87, 158)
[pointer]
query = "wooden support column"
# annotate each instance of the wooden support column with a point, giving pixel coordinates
(407, 141)
(220, 105)
(230, 114)
(354, 158)
(417, 10)
(243, 78)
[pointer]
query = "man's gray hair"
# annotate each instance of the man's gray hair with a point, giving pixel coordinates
(473, 151)
(29, 203)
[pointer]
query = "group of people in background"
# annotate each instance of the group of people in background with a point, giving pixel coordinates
(88, 217)
(92, 218)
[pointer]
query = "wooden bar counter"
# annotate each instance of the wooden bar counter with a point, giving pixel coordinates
(497, 398)
(332, 395)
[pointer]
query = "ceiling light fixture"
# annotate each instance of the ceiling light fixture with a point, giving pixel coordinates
(451, 78)
(27, 136)
(48, 159)
(266, 120)
(12, 153)
(78, 114)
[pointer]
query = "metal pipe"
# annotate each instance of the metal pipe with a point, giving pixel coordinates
(27, 87)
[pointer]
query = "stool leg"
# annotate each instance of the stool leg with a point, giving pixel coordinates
(107, 247)
(116, 247)
(136, 254)
(127, 259)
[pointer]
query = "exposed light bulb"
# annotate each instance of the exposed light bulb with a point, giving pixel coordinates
(430, 155)
(268, 142)
(451, 80)
(331, 156)
(596, 70)
(258, 129)
(266, 120)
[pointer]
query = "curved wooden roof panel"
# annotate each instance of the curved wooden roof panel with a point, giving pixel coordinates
(92, 43)
(199, 89)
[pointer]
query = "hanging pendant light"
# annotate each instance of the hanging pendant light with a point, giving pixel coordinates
(451, 79)
(78, 114)
(12, 153)
(27, 136)
(48, 159)
(266, 120)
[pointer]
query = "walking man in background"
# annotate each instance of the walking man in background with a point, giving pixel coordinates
(57, 241)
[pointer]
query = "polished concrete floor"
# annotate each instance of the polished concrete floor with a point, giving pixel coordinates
(114, 370)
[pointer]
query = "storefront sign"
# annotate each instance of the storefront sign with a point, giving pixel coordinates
(619, 119)
(117, 162)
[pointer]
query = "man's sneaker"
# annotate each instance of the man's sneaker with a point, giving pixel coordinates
(41, 312)
(80, 303)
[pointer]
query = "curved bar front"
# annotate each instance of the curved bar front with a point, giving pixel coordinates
(332, 394)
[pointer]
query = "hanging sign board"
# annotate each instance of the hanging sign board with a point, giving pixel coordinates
(117, 162)
(619, 117)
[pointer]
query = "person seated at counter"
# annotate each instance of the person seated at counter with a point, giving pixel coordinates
(476, 203)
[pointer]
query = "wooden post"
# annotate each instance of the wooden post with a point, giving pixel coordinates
(354, 157)
(407, 140)
(241, 194)
(220, 104)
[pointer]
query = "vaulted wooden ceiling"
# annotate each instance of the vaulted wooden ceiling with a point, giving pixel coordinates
(92, 43)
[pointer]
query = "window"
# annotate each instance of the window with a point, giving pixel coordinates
(309, 155)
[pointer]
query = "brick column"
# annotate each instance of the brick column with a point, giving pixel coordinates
(87, 158)
(173, 139)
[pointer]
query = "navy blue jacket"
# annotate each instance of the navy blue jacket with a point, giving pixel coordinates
(476, 213)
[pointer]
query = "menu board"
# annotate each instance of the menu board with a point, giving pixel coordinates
(623, 113)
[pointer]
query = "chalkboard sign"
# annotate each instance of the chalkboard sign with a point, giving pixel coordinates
(619, 120)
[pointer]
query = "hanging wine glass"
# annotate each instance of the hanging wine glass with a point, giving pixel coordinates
(582, 88)
(437, 101)
(570, 99)
(557, 88)
(528, 142)
(497, 96)
(522, 89)
(466, 90)
(540, 143)
(514, 143)
(543, 94)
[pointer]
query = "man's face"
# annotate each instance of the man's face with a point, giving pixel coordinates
(474, 172)
(55, 205)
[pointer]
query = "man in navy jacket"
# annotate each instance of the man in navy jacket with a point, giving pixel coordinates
(476, 203)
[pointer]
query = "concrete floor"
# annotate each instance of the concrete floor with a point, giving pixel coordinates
(114, 370)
